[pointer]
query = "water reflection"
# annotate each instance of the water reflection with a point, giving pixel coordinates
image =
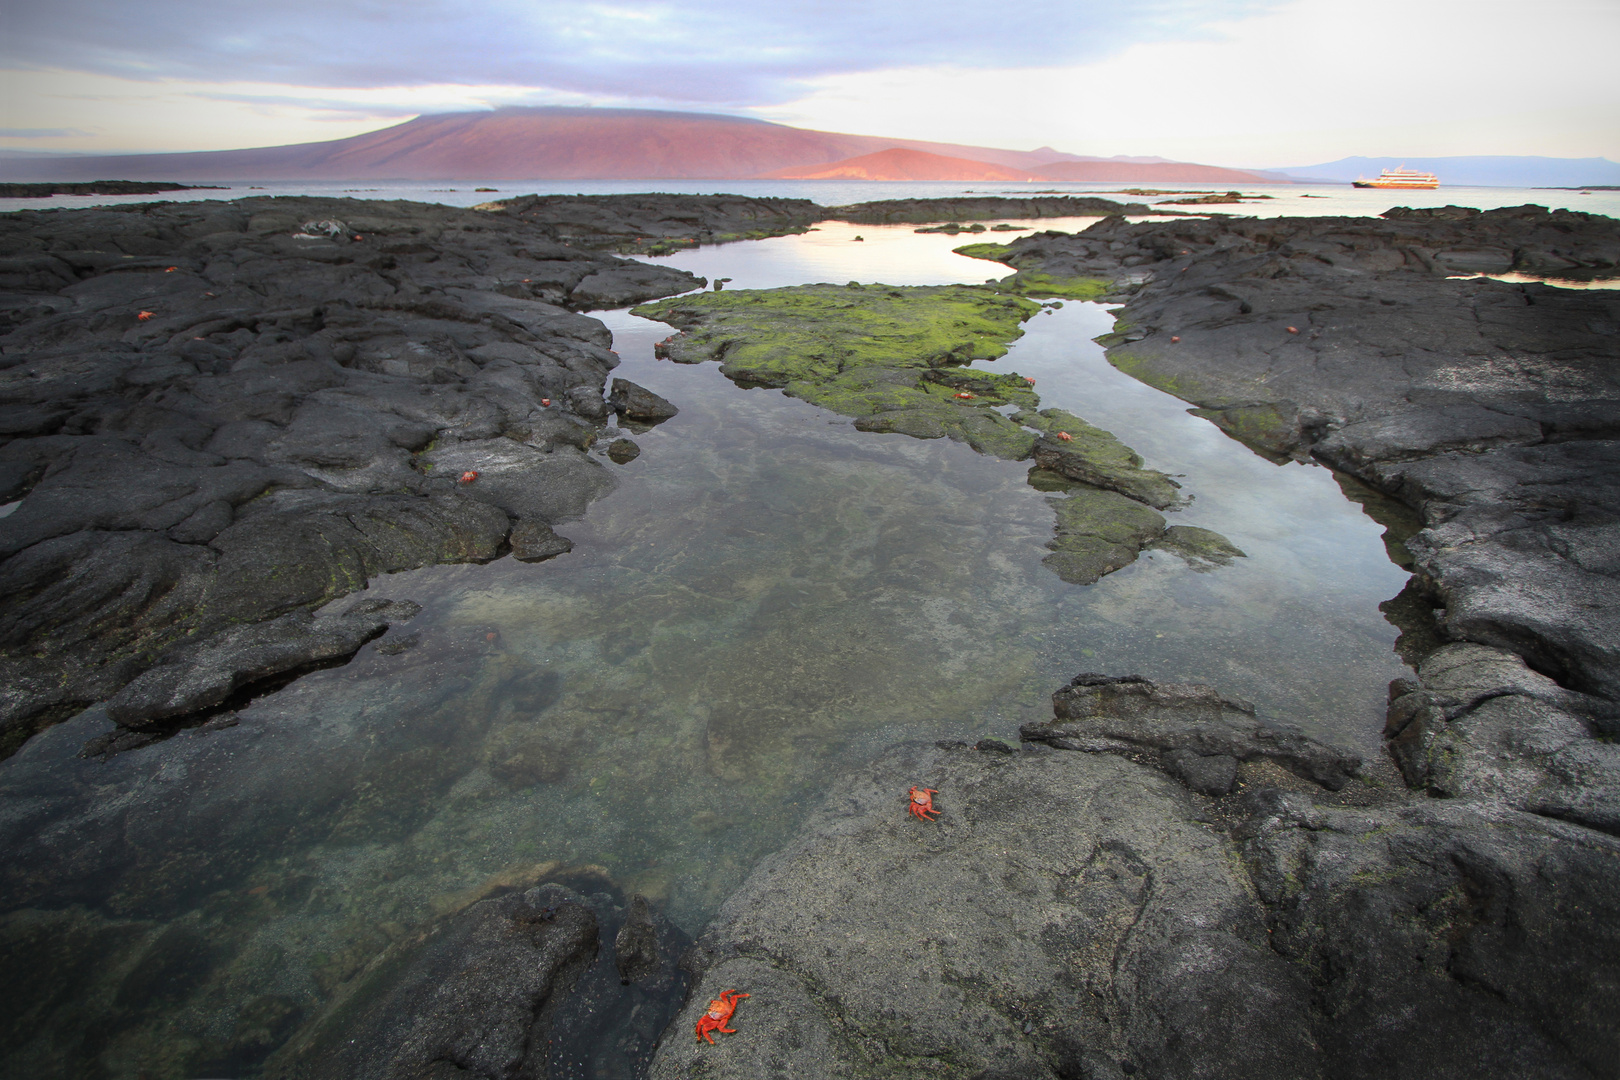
(768, 596)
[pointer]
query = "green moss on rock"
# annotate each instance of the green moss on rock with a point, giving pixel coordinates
(1263, 428)
(888, 356)
(1098, 532)
(893, 358)
(1202, 549)
(1034, 283)
(1093, 456)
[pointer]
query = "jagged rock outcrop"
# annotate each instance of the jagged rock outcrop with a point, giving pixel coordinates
(215, 415)
(1488, 406)
(1076, 912)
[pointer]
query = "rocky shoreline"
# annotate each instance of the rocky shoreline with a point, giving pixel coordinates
(221, 417)
(1154, 884)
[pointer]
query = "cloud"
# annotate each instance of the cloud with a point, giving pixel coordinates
(738, 52)
(1312, 81)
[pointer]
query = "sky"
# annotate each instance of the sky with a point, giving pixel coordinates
(1226, 82)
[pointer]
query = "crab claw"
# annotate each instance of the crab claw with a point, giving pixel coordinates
(1065, 436)
(469, 476)
(142, 316)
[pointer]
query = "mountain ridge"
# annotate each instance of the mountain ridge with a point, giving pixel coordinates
(550, 142)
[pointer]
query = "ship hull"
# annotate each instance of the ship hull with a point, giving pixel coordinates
(1395, 184)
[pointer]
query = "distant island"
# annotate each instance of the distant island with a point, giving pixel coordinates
(99, 187)
(565, 143)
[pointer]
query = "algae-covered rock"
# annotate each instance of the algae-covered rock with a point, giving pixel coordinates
(1098, 532)
(1203, 549)
(885, 355)
(1035, 282)
(811, 333)
(1094, 456)
(891, 357)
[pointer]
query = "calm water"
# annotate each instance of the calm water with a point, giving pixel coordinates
(768, 596)
(1292, 200)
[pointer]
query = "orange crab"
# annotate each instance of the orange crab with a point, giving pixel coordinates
(965, 396)
(1065, 436)
(922, 802)
(720, 1010)
(469, 476)
(142, 316)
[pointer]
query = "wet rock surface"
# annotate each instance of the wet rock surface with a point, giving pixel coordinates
(1451, 919)
(981, 208)
(219, 416)
(1487, 406)
(653, 224)
(555, 980)
(1090, 907)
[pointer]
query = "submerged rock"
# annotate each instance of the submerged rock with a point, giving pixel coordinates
(194, 678)
(1202, 549)
(1101, 713)
(622, 451)
(472, 1000)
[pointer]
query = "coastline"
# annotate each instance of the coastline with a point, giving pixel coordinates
(1281, 852)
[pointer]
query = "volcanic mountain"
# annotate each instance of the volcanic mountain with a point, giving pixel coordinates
(555, 143)
(899, 164)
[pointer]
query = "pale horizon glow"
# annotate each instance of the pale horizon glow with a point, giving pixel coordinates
(1308, 81)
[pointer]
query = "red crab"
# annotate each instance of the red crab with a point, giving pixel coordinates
(1029, 380)
(922, 802)
(965, 396)
(546, 402)
(720, 1010)
(142, 316)
(469, 476)
(1065, 436)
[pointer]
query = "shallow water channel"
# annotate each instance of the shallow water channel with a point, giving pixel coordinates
(768, 596)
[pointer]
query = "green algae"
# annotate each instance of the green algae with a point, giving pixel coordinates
(1093, 456)
(773, 337)
(1140, 367)
(1033, 282)
(891, 357)
(1262, 428)
(1098, 532)
(991, 252)
(1201, 549)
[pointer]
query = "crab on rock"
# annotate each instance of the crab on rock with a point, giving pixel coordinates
(720, 1010)
(922, 802)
